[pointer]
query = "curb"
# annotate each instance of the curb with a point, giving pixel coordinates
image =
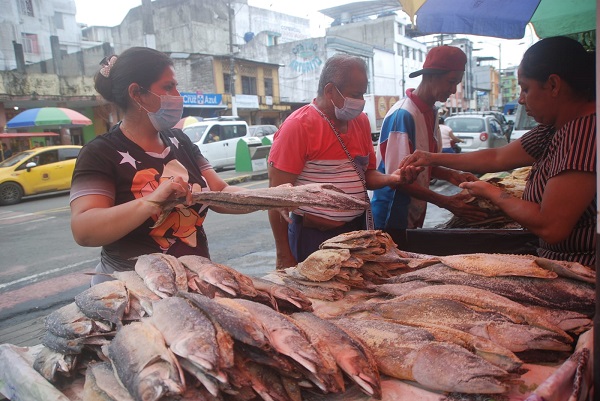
(247, 177)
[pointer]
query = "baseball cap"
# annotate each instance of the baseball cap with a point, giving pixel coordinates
(442, 59)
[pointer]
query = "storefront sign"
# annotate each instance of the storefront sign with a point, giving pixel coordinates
(246, 101)
(196, 99)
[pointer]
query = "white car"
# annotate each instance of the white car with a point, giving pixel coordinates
(218, 138)
(263, 131)
(523, 123)
(477, 131)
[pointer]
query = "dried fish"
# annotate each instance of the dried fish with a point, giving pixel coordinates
(102, 384)
(572, 270)
(105, 301)
(70, 322)
(189, 333)
(490, 265)
(321, 265)
(560, 293)
(287, 298)
(158, 275)
(238, 322)
(220, 276)
(281, 197)
(138, 290)
(143, 363)
(349, 353)
(412, 353)
(48, 363)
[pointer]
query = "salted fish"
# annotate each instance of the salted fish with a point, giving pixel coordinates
(286, 298)
(572, 270)
(189, 333)
(223, 277)
(451, 313)
(284, 196)
(102, 384)
(283, 334)
(158, 275)
(105, 301)
(349, 353)
(143, 363)
(486, 300)
(70, 322)
(412, 353)
(561, 293)
(321, 265)
(50, 363)
(238, 322)
(493, 264)
(137, 289)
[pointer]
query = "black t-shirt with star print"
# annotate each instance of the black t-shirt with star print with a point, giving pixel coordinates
(111, 165)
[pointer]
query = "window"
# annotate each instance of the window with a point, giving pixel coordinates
(30, 43)
(400, 29)
(248, 85)
(58, 21)
(68, 154)
(227, 83)
(268, 86)
(399, 50)
(272, 40)
(406, 52)
(233, 131)
(26, 7)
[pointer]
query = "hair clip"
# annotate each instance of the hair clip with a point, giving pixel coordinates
(107, 63)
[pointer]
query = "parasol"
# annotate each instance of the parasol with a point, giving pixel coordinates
(502, 18)
(185, 121)
(48, 117)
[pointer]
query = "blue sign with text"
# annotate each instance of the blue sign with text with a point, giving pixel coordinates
(193, 99)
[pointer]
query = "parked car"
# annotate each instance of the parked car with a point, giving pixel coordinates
(523, 123)
(477, 131)
(506, 126)
(218, 138)
(37, 171)
(261, 131)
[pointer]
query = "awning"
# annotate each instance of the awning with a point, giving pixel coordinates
(26, 134)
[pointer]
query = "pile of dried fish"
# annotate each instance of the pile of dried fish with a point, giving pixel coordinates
(284, 196)
(513, 183)
(354, 260)
(193, 329)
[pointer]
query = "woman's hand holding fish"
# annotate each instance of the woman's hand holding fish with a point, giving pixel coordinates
(458, 206)
(174, 187)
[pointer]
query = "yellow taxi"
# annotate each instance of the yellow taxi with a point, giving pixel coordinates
(37, 171)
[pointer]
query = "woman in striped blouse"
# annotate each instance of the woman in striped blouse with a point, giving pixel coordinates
(557, 79)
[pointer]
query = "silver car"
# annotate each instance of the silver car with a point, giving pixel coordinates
(477, 132)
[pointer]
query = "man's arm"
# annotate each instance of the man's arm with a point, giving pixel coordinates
(278, 225)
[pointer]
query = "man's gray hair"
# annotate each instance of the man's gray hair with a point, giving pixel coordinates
(337, 69)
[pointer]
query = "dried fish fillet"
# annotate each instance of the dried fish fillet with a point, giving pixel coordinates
(490, 265)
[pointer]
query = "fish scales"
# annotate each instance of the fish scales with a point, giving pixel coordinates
(411, 353)
(69, 322)
(137, 289)
(561, 293)
(102, 384)
(143, 363)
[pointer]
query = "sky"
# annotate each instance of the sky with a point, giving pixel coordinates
(112, 12)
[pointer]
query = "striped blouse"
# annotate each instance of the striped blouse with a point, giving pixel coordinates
(573, 147)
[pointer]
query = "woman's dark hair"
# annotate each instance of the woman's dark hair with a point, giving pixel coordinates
(140, 65)
(564, 57)
(337, 70)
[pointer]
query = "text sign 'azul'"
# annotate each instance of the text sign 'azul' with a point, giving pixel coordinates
(201, 99)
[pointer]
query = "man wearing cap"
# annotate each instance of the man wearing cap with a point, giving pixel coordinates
(412, 124)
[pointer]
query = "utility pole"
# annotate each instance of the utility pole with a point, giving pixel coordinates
(234, 111)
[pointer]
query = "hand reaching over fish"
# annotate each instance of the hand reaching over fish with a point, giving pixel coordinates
(285, 197)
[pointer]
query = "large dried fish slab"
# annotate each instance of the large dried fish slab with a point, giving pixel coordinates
(144, 364)
(491, 265)
(321, 265)
(286, 298)
(284, 196)
(486, 300)
(573, 270)
(412, 353)
(561, 293)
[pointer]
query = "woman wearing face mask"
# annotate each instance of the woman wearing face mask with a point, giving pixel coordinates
(121, 176)
(327, 141)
